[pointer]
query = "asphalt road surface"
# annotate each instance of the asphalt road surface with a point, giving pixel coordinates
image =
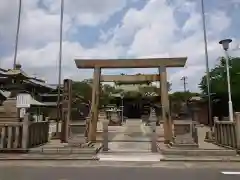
(114, 173)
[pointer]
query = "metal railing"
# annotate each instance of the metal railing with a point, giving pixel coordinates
(225, 133)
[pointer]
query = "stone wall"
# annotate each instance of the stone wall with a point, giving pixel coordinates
(8, 111)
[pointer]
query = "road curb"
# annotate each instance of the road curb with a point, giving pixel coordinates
(198, 160)
(49, 159)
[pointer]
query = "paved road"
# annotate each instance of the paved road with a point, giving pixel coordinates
(111, 172)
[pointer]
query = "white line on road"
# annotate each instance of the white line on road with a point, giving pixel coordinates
(140, 158)
(231, 173)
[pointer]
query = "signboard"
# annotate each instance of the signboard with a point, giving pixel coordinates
(22, 112)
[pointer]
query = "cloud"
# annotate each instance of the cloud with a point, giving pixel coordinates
(218, 21)
(91, 12)
(40, 24)
(152, 31)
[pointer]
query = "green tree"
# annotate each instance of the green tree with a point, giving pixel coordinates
(182, 96)
(178, 100)
(153, 89)
(82, 88)
(218, 80)
(106, 91)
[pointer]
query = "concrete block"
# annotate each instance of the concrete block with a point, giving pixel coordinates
(50, 150)
(198, 152)
(64, 151)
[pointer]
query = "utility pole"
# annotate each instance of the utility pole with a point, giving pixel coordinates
(60, 68)
(207, 64)
(184, 79)
(17, 34)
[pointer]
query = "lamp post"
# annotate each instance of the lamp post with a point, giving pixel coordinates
(225, 44)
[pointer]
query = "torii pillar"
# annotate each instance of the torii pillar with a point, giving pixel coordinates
(168, 134)
(94, 106)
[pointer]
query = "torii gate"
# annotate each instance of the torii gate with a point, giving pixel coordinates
(160, 63)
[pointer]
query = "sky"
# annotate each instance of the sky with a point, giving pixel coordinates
(117, 29)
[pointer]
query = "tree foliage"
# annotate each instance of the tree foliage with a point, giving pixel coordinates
(106, 92)
(153, 89)
(218, 81)
(182, 96)
(82, 88)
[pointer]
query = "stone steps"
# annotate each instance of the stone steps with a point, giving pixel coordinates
(65, 150)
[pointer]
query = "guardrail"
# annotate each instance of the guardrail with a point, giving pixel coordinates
(227, 133)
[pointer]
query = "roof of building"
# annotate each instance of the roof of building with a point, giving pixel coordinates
(13, 73)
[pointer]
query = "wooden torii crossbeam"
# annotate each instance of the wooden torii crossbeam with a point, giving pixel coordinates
(160, 63)
(130, 78)
(131, 63)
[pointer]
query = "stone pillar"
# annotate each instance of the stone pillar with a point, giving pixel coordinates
(168, 135)
(105, 135)
(66, 109)
(237, 126)
(25, 130)
(154, 138)
(95, 104)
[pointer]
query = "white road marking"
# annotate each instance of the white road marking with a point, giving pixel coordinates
(135, 158)
(230, 173)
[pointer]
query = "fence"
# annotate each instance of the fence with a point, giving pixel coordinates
(38, 133)
(21, 136)
(227, 133)
(11, 135)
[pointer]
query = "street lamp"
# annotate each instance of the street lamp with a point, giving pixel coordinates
(225, 44)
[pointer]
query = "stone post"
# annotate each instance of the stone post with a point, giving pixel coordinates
(154, 138)
(105, 136)
(69, 115)
(87, 128)
(194, 132)
(168, 134)
(215, 119)
(25, 131)
(66, 109)
(237, 126)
